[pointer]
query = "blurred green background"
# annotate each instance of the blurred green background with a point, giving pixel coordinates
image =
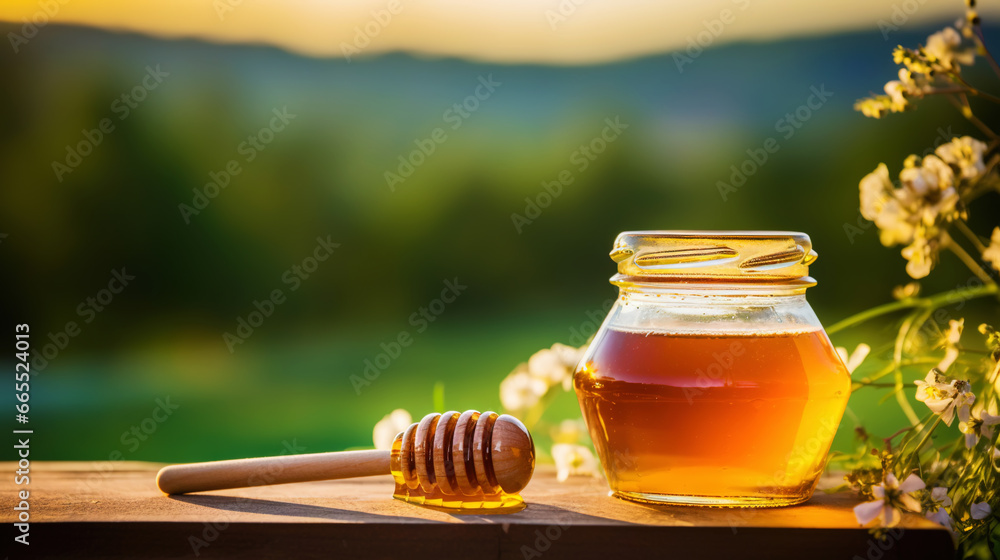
(324, 175)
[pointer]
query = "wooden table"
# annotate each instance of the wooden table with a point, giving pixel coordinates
(104, 510)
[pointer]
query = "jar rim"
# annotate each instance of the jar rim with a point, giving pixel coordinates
(779, 258)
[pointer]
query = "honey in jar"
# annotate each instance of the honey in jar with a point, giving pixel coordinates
(711, 382)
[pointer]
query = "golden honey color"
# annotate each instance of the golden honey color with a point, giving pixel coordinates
(713, 420)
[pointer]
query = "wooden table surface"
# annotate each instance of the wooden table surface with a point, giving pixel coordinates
(105, 510)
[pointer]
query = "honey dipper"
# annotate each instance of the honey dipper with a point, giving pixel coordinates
(448, 459)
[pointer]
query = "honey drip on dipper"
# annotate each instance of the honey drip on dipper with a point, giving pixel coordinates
(447, 460)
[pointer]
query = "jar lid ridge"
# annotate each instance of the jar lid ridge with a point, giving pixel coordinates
(779, 257)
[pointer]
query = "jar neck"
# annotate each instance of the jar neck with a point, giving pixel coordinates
(720, 290)
(714, 308)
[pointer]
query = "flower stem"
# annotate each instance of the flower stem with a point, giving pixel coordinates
(933, 302)
(963, 90)
(923, 441)
(870, 381)
(966, 258)
(971, 235)
(966, 111)
(977, 28)
(969, 89)
(917, 317)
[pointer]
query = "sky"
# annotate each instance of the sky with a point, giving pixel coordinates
(504, 31)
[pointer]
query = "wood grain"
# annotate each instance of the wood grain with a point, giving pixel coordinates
(114, 510)
(284, 469)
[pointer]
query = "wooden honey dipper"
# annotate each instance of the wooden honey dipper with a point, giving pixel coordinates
(448, 454)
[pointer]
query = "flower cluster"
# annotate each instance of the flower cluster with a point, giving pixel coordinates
(964, 505)
(951, 476)
(526, 391)
(929, 198)
(551, 367)
(924, 71)
(945, 396)
(890, 497)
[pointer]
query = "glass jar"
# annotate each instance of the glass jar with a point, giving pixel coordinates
(712, 382)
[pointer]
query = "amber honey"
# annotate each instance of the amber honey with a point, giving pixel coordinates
(726, 419)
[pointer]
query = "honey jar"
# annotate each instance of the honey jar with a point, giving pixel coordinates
(711, 381)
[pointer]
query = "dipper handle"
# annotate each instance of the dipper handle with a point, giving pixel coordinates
(242, 473)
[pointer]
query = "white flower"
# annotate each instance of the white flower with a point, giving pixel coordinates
(945, 396)
(951, 340)
(933, 175)
(854, 359)
(942, 50)
(569, 355)
(890, 497)
(939, 496)
(992, 253)
(572, 459)
(521, 390)
(555, 365)
(980, 423)
(982, 510)
(897, 96)
(546, 364)
(908, 291)
(389, 426)
(921, 256)
(936, 511)
(942, 518)
(965, 153)
(880, 205)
